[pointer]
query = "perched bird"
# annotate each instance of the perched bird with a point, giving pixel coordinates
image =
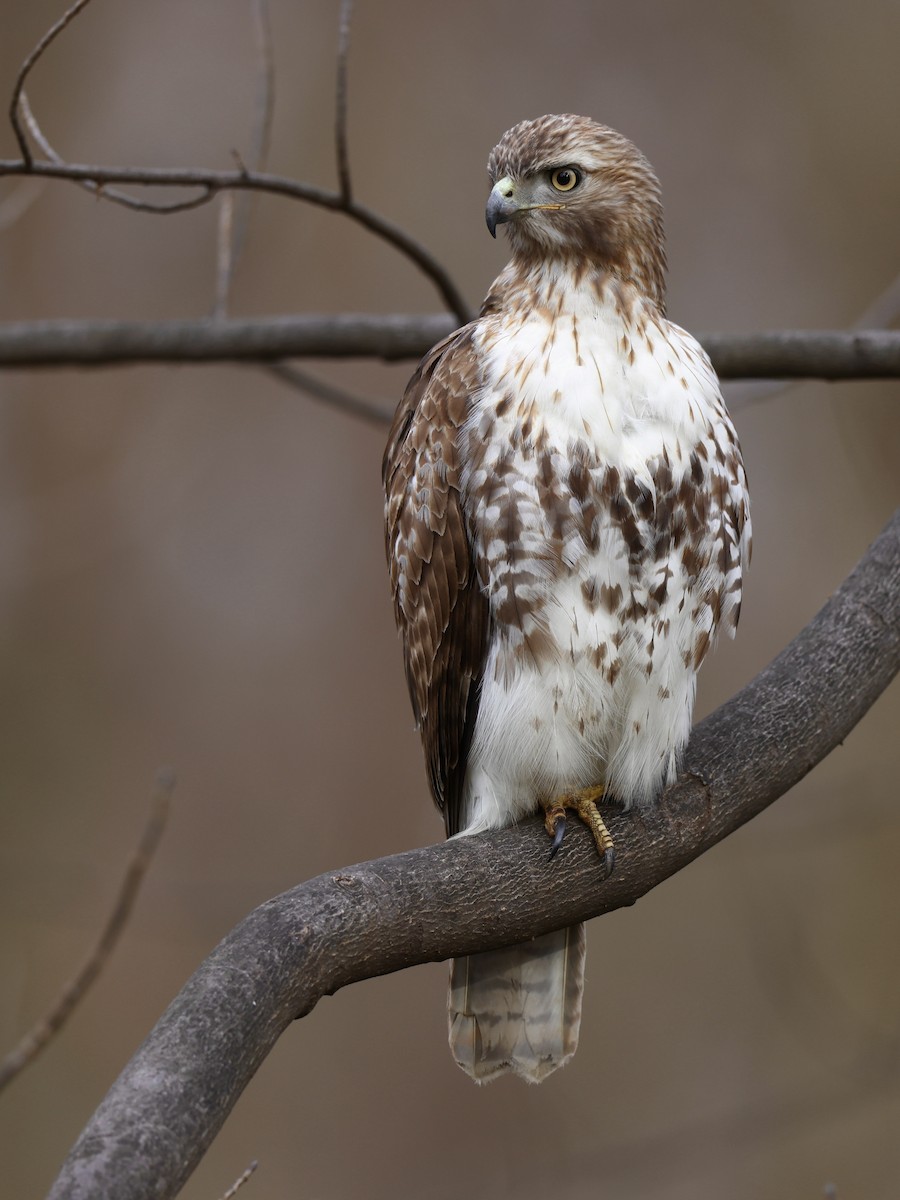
(567, 521)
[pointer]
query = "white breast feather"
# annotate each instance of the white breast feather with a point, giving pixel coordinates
(558, 722)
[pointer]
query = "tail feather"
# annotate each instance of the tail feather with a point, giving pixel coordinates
(518, 1010)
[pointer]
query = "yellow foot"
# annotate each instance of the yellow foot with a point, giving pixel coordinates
(584, 802)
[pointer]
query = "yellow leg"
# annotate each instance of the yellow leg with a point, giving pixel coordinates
(584, 803)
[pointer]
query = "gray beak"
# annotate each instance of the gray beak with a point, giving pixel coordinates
(501, 205)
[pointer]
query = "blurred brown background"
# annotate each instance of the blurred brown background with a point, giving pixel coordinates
(169, 593)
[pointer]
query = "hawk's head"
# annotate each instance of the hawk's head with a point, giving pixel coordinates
(570, 188)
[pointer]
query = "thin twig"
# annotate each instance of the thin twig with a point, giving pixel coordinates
(40, 1034)
(334, 397)
(96, 178)
(216, 181)
(235, 218)
(116, 195)
(261, 136)
(340, 106)
(52, 33)
(417, 253)
(240, 1181)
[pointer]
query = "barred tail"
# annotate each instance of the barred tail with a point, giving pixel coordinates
(518, 1010)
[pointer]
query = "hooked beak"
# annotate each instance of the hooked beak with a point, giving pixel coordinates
(508, 199)
(501, 205)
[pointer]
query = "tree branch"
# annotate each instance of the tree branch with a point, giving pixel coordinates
(69, 343)
(52, 33)
(240, 1181)
(211, 182)
(805, 354)
(873, 354)
(476, 893)
(116, 195)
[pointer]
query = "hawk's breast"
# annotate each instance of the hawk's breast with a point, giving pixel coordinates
(585, 453)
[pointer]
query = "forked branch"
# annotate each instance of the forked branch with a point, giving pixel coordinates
(18, 87)
(211, 183)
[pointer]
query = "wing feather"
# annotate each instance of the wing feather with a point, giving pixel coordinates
(441, 611)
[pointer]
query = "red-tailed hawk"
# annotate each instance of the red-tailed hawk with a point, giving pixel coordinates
(567, 523)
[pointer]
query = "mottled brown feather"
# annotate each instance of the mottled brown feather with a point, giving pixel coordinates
(441, 611)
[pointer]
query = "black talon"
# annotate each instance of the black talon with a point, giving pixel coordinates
(609, 861)
(559, 832)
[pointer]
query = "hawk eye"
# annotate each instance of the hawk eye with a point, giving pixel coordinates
(564, 179)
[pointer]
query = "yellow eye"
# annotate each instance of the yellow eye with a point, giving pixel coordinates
(565, 178)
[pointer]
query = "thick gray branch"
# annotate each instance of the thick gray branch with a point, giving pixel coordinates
(71, 343)
(476, 893)
(68, 343)
(805, 354)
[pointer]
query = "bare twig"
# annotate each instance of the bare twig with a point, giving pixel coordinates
(116, 195)
(213, 182)
(234, 219)
(407, 245)
(319, 389)
(334, 397)
(340, 106)
(477, 893)
(38, 1037)
(52, 33)
(261, 137)
(240, 1181)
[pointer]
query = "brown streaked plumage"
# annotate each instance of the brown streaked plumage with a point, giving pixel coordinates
(439, 607)
(566, 522)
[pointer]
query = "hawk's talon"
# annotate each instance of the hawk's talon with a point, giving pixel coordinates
(559, 833)
(584, 802)
(609, 861)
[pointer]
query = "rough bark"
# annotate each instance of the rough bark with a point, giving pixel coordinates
(476, 893)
